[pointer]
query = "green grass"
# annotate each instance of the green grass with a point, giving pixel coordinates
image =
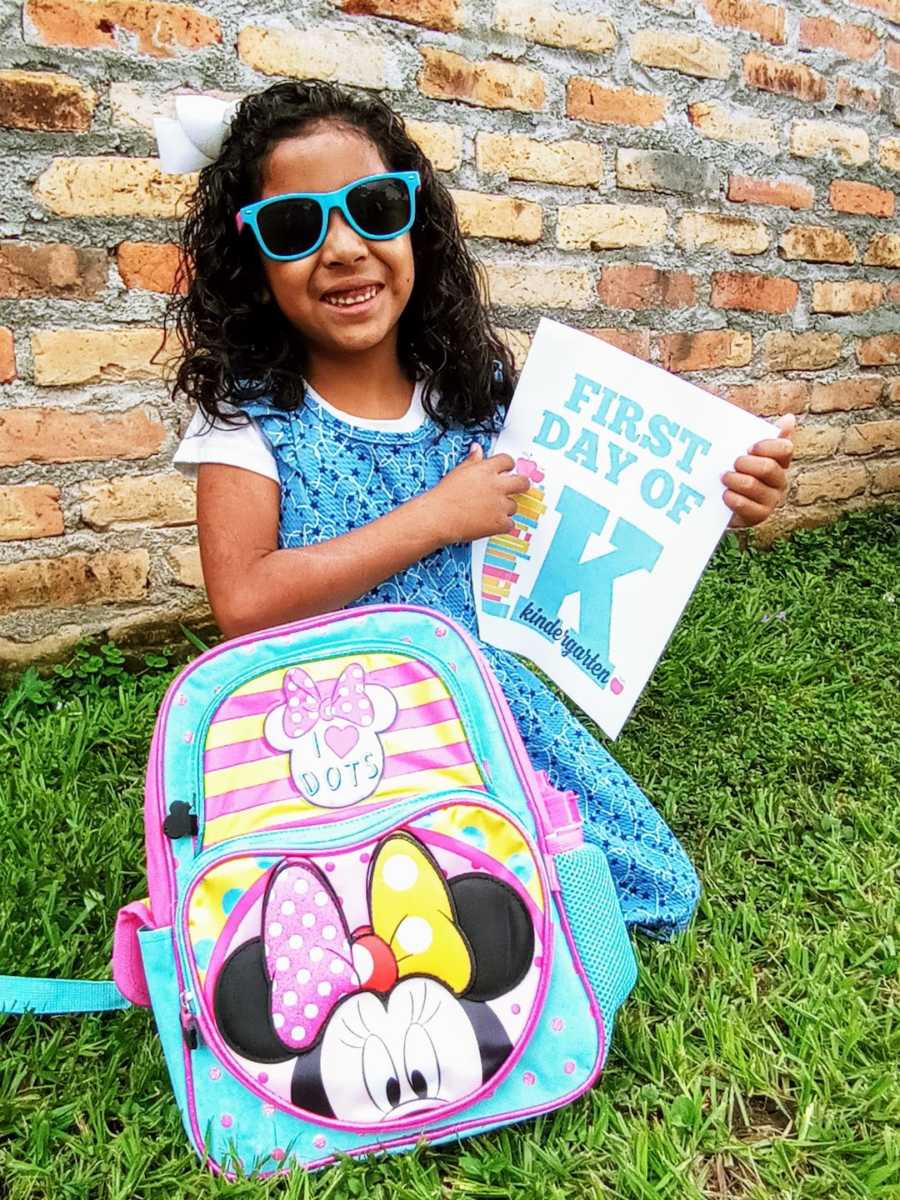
(758, 1056)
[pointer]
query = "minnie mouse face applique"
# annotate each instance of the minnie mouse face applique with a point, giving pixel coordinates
(337, 758)
(393, 1019)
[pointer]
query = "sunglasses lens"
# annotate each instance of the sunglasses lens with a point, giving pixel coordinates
(381, 207)
(290, 226)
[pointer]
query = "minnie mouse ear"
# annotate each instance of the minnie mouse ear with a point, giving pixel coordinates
(499, 931)
(242, 1006)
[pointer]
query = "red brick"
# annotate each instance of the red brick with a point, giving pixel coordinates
(883, 350)
(434, 14)
(59, 435)
(587, 100)
(765, 19)
(29, 511)
(784, 350)
(864, 199)
(786, 520)
(853, 41)
(816, 441)
(770, 397)
(705, 350)
(751, 292)
(74, 579)
(886, 477)
(150, 266)
(784, 78)
(889, 153)
(537, 21)
(161, 29)
(7, 356)
(744, 189)
(688, 53)
(721, 123)
(319, 52)
(884, 251)
(837, 481)
(824, 139)
(846, 395)
(890, 9)
(817, 243)
(871, 437)
(632, 341)
(44, 100)
(53, 269)
(842, 296)
(853, 95)
(493, 84)
(628, 286)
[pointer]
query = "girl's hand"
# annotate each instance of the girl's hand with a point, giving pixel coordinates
(758, 483)
(477, 498)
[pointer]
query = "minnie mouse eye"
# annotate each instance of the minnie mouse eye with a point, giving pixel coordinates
(420, 1061)
(380, 1075)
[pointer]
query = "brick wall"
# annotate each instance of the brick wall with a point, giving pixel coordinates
(709, 184)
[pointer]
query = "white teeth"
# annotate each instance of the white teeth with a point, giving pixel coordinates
(351, 297)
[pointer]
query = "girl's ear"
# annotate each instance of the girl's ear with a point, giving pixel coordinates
(242, 1006)
(498, 928)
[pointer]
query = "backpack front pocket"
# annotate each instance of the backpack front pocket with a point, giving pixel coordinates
(380, 978)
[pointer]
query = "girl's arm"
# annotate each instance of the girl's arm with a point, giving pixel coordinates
(252, 584)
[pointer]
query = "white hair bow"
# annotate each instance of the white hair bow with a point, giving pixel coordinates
(194, 138)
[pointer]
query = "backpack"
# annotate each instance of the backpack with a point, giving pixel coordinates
(370, 921)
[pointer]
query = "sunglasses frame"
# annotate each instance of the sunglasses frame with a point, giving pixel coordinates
(247, 216)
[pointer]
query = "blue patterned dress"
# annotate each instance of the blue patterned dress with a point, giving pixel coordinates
(335, 477)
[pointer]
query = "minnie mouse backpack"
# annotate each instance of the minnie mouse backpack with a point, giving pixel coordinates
(370, 921)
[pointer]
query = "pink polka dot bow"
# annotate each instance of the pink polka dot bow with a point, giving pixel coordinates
(305, 706)
(312, 959)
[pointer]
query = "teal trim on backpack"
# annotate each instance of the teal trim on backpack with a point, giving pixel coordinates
(21, 994)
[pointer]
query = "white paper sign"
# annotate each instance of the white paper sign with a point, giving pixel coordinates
(624, 510)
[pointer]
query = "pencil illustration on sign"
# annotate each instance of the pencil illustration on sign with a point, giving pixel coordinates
(505, 552)
(624, 509)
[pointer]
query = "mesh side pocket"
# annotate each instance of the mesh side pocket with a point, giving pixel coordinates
(598, 929)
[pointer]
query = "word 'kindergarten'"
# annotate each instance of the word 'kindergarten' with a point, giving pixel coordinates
(657, 435)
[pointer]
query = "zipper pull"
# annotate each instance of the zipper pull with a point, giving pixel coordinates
(190, 1028)
(562, 817)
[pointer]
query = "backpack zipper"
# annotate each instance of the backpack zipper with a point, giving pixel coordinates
(557, 830)
(194, 1018)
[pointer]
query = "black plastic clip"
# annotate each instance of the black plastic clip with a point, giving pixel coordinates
(180, 822)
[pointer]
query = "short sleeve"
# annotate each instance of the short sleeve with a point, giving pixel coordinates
(241, 445)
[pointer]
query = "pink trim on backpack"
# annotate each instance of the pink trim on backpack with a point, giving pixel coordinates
(127, 964)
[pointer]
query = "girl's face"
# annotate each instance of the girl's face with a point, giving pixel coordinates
(373, 280)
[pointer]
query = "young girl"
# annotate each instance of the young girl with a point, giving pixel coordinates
(348, 382)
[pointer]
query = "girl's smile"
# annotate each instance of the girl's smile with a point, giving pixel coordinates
(347, 297)
(356, 299)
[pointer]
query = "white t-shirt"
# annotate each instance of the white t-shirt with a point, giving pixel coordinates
(245, 445)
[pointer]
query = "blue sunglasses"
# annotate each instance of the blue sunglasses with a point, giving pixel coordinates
(293, 226)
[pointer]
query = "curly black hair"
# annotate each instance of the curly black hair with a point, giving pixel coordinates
(236, 347)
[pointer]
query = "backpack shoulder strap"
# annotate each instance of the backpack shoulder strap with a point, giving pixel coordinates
(22, 993)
